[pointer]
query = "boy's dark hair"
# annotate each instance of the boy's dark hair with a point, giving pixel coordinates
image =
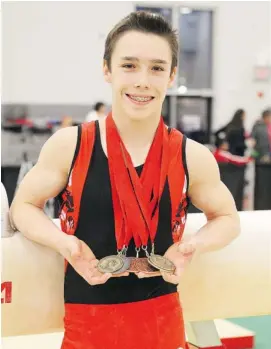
(144, 22)
(98, 105)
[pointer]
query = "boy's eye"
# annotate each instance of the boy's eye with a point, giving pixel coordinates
(128, 66)
(132, 66)
(157, 68)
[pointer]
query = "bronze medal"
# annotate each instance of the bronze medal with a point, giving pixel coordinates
(142, 265)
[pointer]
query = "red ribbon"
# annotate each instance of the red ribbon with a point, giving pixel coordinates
(136, 199)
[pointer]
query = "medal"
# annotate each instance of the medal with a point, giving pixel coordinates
(155, 261)
(126, 266)
(161, 263)
(110, 264)
(141, 265)
(136, 200)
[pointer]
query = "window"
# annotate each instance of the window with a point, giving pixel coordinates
(195, 55)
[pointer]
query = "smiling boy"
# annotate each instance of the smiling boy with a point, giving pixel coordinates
(117, 184)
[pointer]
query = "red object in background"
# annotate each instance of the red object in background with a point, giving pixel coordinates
(246, 342)
(260, 94)
(22, 122)
(223, 156)
(6, 288)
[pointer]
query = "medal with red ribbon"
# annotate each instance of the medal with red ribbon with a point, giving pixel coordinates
(136, 198)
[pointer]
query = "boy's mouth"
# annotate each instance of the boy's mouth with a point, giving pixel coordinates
(139, 99)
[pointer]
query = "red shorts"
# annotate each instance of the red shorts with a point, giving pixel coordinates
(151, 324)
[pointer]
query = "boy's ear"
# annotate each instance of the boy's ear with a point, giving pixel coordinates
(106, 71)
(172, 77)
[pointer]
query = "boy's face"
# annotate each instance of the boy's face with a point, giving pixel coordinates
(140, 74)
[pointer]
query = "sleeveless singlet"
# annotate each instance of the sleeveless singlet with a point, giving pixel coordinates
(96, 228)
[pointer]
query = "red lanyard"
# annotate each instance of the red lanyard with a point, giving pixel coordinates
(136, 199)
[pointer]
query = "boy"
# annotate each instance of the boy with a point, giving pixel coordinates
(112, 202)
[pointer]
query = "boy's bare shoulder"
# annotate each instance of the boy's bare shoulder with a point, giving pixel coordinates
(60, 147)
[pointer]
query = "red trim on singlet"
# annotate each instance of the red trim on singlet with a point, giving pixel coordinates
(71, 196)
(177, 179)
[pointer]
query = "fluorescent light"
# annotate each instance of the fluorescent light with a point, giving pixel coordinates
(182, 89)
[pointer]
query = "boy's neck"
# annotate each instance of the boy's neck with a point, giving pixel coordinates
(136, 133)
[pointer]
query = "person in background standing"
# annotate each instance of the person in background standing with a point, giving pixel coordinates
(234, 133)
(98, 113)
(261, 133)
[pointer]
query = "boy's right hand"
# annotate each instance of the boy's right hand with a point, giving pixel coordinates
(84, 262)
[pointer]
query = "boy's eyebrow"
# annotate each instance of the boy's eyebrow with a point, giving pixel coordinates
(135, 59)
